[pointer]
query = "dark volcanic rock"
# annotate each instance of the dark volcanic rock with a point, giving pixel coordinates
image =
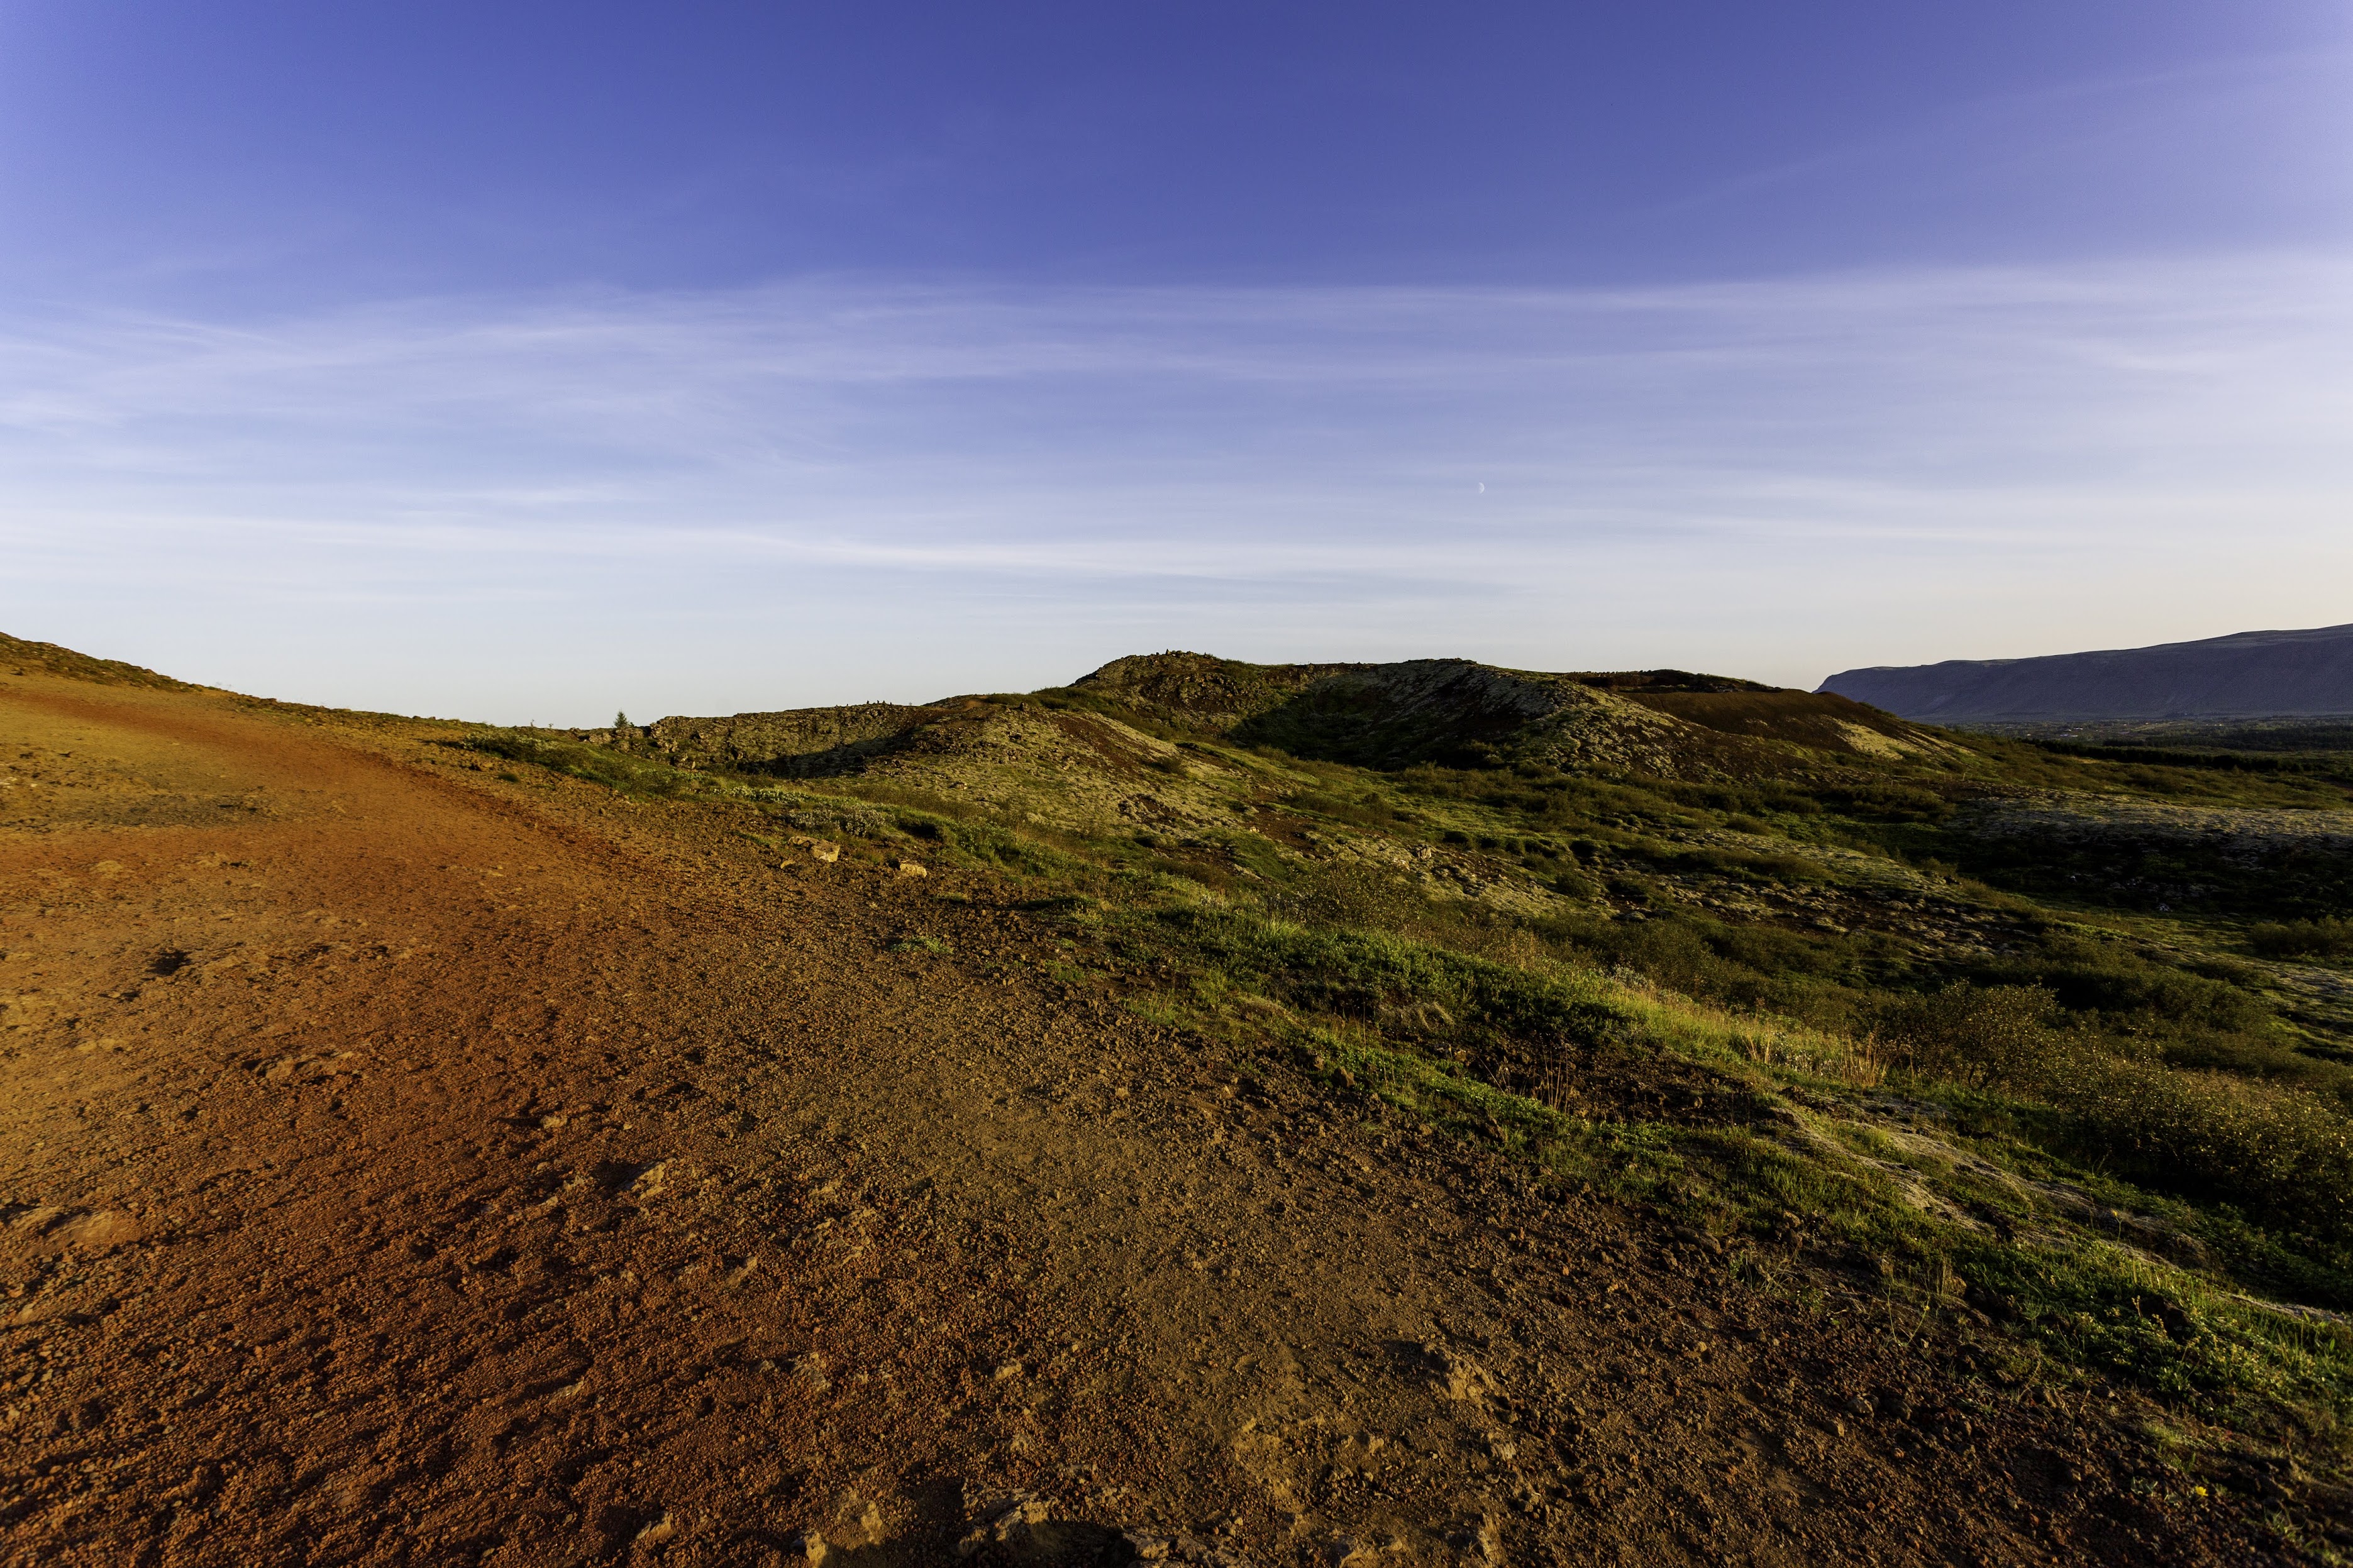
(2246, 675)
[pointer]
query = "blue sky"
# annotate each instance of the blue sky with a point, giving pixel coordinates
(525, 361)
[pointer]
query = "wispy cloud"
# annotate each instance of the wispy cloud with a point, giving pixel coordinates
(936, 486)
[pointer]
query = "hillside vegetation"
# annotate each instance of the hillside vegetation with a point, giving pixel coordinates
(2050, 1046)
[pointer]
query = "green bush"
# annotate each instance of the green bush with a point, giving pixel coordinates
(2123, 992)
(2276, 1152)
(2328, 938)
(1984, 1037)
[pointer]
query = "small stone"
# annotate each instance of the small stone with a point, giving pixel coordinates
(1025, 1510)
(1005, 1522)
(821, 850)
(909, 868)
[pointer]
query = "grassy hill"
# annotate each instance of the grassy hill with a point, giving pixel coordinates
(2057, 1043)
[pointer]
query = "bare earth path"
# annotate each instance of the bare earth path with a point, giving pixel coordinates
(403, 1165)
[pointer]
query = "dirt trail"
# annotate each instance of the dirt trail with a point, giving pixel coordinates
(401, 1165)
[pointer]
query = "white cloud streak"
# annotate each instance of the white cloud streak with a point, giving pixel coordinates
(814, 491)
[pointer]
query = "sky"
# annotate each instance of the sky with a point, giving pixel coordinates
(523, 362)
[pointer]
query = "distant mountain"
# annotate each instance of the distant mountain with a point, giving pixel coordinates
(2247, 675)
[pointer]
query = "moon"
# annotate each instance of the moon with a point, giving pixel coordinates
(1482, 486)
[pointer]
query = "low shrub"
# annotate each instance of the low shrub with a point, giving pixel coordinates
(2276, 1151)
(2112, 988)
(2272, 1150)
(2328, 938)
(1983, 1036)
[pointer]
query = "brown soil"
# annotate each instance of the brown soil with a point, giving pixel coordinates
(402, 1165)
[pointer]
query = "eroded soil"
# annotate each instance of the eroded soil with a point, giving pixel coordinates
(404, 1165)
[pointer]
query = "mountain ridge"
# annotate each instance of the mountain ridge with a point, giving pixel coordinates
(2259, 674)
